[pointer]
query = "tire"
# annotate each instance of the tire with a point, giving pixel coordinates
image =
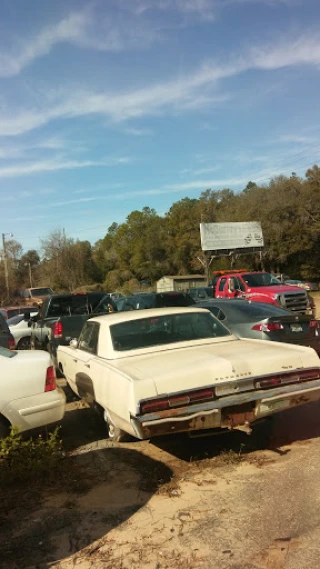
(24, 343)
(114, 433)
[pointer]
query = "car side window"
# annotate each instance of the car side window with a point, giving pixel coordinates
(222, 284)
(239, 285)
(88, 341)
(217, 312)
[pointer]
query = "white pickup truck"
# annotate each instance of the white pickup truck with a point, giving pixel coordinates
(168, 370)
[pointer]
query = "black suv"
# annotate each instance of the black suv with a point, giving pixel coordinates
(141, 301)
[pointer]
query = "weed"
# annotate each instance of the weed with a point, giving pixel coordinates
(24, 460)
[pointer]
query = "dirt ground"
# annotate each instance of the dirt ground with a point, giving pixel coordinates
(174, 502)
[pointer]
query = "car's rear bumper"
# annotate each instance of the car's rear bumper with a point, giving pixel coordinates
(230, 412)
(36, 411)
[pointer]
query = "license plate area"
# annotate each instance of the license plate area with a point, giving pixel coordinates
(295, 327)
(237, 415)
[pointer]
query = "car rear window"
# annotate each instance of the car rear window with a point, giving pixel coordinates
(66, 306)
(246, 312)
(173, 299)
(168, 329)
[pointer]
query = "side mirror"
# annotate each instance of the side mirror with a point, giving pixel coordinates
(73, 343)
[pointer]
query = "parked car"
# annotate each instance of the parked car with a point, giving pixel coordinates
(302, 284)
(20, 328)
(261, 321)
(143, 300)
(9, 311)
(6, 338)
(61, 317)
(35, 296)
(168, 370)
(201, 293)
(29, 397)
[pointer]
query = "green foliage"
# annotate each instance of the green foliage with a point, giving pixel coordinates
(149, 246)
(26, 460)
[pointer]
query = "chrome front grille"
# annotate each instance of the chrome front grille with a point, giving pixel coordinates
(295, 301)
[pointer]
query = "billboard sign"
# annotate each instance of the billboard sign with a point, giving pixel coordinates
(231, 236)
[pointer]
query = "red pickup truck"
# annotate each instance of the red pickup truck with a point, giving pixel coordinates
(259, 287)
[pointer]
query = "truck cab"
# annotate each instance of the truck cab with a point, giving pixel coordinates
(260, 287)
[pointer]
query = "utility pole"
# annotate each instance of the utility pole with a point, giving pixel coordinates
(30, 273)
(5, 262)
(206, 262)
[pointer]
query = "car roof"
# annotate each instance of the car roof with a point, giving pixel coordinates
(118, 317)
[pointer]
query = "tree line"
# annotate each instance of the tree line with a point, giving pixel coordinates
(147, 246)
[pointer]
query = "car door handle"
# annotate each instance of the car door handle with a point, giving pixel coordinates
(87, 365)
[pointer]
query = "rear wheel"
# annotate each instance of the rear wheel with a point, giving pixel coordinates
(114, 433)
(24, 344)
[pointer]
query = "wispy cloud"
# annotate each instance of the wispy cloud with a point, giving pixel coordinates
(101, 30)
(70, 29)
(196, 89)
(23, 169)
(296, 139)
(127, 24)
(139, 131)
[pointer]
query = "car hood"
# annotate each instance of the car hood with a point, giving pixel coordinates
(191, 367)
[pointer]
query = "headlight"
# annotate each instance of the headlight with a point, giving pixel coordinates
(280, 299)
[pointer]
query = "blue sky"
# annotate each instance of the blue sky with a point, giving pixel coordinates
(112, 105)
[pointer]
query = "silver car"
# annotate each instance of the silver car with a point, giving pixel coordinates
(261, 321)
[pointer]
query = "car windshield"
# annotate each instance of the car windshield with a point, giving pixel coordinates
(41, 291)
(260, 279)
(7, 353)
(168, 329)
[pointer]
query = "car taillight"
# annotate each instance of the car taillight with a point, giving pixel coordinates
(313, 324)
(11, 344)
(269, 327)
(181, 400)
(50, 379)
(285, 379)
(58, 330)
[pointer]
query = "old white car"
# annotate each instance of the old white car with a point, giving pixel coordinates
(160, 371)
(29, 397)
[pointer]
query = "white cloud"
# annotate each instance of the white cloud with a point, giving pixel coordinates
(70, 29)
(139, 131)
(86, 29)
(131, 24)
(23, 169)
(296, 139)
(194, 90)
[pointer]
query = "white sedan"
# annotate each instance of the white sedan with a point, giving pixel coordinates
(161, 371)
(20, 329)
(29, 396)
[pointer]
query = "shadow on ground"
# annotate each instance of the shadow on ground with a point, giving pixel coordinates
(288, 427)
(96, 492)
